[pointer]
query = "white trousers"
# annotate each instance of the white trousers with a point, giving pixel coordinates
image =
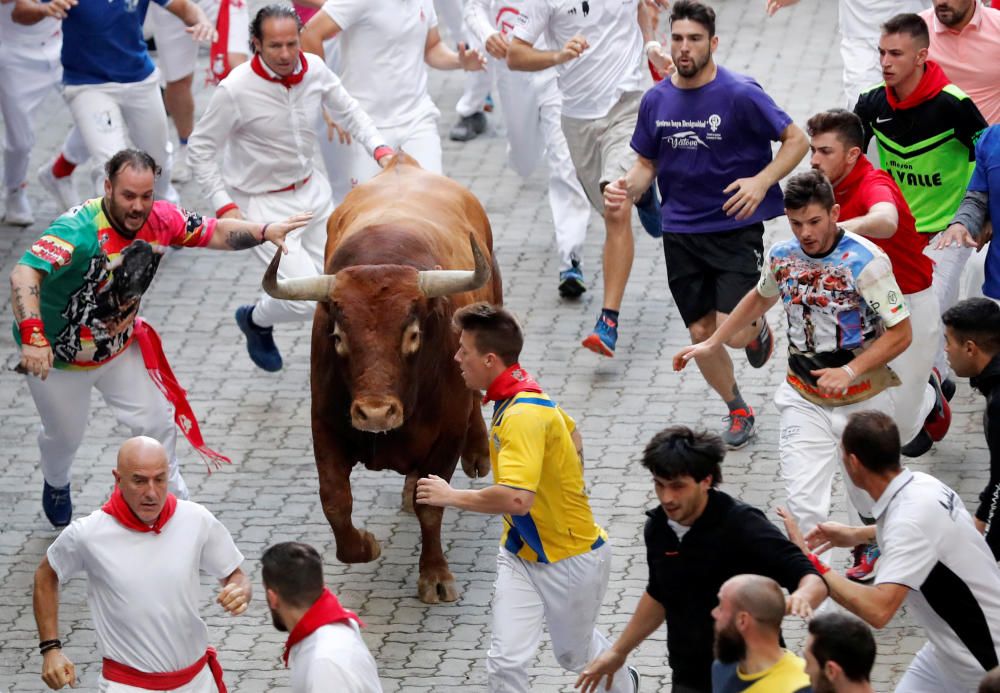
(305, 246)
(532, 108)
(28, 74)
(914, 399)
(927, 674)
(353, 165)
(63, 402)
(177, 52)
(809, 446)
(202, 683)
(861, 67)
(111, 114)
(948, 265)
(566, 596)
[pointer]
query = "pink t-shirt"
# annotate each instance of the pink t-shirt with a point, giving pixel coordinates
(971, 57)
(304, 11)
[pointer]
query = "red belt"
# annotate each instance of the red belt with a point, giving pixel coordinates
(293, 186)
(163, 681)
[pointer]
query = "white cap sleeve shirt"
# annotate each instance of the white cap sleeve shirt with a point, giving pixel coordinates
(144, 589)
(382, 56)
(613, 64)
(333, 658)
(930, 544)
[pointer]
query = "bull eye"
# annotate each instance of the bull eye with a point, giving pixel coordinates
(339, 343)
(411, 338)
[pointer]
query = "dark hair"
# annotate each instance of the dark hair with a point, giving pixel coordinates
(846, 125)
(846, 640)
(990, 682)
(807, 187)
(696, 12)
(272, 12)
(680, 451)
(494, 329)
(976, 320)
(873, 438)
(911, 24)
(295, 571)
(130, 158)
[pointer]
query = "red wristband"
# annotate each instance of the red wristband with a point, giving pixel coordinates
(821, 567)
(383, 150)
(262, 230)
(33, 332)
(226, 208)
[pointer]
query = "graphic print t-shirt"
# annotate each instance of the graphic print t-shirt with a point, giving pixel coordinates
(702, 140)
(95, 277)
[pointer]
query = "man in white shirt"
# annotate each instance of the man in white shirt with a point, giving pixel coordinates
(597, 50)
(261, 120)
(144, 549)
(324, 649)
(933, 558)
(532, 106)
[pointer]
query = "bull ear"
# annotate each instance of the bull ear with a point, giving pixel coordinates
(436, 283)
(298, 289)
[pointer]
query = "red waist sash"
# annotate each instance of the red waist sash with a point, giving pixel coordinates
(164, 681)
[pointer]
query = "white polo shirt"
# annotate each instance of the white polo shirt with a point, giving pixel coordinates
(382, 56)
(333, 658)
(144, 589)
(591, 84)
(930, 544)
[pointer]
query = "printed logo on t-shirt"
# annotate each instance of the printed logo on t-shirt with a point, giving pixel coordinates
(53, 250)
(688, 139)
(507, 18)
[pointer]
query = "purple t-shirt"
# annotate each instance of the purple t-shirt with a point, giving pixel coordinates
(702, 140)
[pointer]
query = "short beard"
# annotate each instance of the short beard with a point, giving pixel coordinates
(695, 68)
(729, 645)
(956, 18)
(823, 684)
(278, 622)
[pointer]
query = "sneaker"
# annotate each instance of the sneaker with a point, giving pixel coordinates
(468, 127)
(760, 349)
(604, 337)
(865, 559)
(920, 444)
(648, 209)
(741, 428)
(633, 674)
(180, 172)
(18, 208)
(57, 504)
(260, 341)
(948, 388)
(571, 281)
(939, 420)
(61, 189)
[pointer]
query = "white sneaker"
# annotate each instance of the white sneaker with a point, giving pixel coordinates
(18, 208)
(63, 190)
(181, 172)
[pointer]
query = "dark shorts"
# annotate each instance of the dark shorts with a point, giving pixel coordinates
(712, 271)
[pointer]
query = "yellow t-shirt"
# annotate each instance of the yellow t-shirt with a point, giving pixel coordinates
(531, 449)
(788, 675)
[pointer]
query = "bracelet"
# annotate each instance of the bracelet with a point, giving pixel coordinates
(226, 208)
(821, 567)
(262, 230)
(46, 645)
(850, 371)
(33, 332)
(383, 150)
(651, 44)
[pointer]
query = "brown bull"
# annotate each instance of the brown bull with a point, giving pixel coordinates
(386, 391)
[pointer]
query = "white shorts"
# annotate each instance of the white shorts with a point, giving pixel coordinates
(177, 53)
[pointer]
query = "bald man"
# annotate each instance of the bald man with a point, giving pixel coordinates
(144, 548)
(748, 652)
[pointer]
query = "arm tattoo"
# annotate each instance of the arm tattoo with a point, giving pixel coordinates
(241, 240)
(35, 290)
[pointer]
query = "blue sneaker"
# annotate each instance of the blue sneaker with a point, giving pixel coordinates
(648, 208)
(604, 337)
(57, 504)
(260, 341)
(571, 281)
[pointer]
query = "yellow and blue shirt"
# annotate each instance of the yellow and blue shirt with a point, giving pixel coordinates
(531, 448)
(788, 675)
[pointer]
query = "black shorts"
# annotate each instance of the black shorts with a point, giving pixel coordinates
(712, 271)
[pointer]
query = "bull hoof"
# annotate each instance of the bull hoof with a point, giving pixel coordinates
(476, 466)
(433, 590)
(364, 550)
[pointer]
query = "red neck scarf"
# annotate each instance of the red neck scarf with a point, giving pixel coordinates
(513, 380)
(931, 84)
(218, 61)
(287, 82)
(323, 612)
(117, 508)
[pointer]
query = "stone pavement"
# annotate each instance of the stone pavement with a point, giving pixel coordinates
(262, 421)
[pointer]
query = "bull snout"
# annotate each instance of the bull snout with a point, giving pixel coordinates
(377, 415)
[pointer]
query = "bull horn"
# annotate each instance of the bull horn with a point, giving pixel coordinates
(298, 289)
(437, 283)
